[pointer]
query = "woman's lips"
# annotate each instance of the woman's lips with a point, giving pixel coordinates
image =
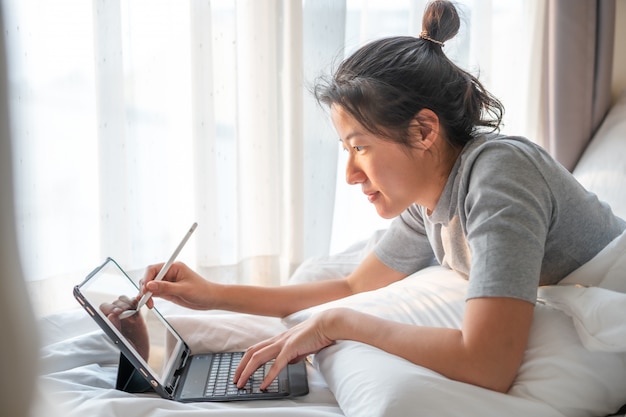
(372, 196)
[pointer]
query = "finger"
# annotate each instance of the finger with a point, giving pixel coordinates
(135, 301)
(284, 357)
(124, 303)
(142, 291)
(109, 308)
(126, 299)
(257, 359)
(273, 372)
(246, 359)
(150, 274)
(165, 289)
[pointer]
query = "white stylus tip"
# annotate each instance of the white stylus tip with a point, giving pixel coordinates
(127, 314)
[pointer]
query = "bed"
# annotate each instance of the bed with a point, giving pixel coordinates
(575, 364)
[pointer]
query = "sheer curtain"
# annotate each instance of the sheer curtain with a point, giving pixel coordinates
(493, 43)
(19, 346)
(134, 118)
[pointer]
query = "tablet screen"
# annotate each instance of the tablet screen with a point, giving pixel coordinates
(148, 337)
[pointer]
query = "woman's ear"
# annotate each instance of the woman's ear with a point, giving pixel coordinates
(425, 128)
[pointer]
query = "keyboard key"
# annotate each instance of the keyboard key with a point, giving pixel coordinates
(223, 370)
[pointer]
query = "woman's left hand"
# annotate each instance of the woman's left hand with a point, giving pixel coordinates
(291, 346)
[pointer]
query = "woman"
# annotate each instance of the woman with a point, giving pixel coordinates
(496, 209)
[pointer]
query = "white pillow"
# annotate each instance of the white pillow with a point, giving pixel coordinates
(413, 298)
(602, 167)
(606, 270)
(598, 314)
(217, 332)
(598, 311)
(337, 265)
(558, 377)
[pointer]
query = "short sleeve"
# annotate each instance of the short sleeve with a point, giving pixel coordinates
(508, 207)
(405, 246)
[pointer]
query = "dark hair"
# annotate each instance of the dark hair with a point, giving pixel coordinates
(387, 82)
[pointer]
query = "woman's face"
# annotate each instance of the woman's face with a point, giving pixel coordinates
(391, 175)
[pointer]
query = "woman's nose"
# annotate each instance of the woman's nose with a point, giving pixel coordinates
(354, 174)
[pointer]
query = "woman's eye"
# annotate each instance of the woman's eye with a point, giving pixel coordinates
(358, 148)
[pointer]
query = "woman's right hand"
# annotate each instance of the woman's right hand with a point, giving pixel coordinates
(180, 285)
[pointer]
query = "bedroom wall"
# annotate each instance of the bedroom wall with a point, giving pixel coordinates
(619, 60)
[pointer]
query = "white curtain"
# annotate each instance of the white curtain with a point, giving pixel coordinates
(493, 43)
(134, 118)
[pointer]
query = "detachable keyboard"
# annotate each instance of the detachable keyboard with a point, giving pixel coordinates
(220, 381)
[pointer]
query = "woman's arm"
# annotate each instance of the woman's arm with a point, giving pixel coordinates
(185, 287)
(487, 351)
(281, 301)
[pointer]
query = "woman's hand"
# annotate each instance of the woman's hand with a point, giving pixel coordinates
(180, 285)
(133, 328)
(292, 346)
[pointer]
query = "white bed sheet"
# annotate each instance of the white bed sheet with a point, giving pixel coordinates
(79, 362)
(79, 369)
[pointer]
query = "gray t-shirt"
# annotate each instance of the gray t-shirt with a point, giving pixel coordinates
(509, 219)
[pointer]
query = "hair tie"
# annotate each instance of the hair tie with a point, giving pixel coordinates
(424, 35)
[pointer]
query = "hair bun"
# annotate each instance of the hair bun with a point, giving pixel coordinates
(441, 21)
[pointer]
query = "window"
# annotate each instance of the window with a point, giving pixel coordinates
(134, 118)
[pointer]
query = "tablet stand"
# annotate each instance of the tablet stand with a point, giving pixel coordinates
(129, 379)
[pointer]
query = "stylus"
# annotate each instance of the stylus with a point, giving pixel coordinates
(161, 273)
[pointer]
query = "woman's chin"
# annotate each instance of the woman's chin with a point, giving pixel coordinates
(386, 212)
